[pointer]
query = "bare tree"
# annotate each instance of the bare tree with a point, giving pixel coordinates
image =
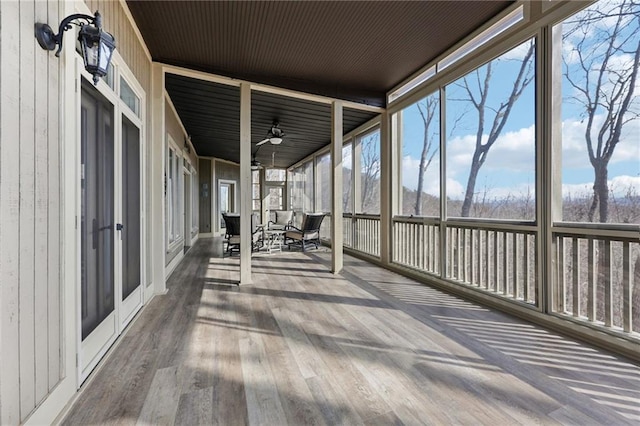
(346, 189)
(603, 84)
(370, 171)
(428, 109)
(476, 87)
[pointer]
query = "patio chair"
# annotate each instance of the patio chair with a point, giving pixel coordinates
(283, 220)
(308, 233)
(232, 232)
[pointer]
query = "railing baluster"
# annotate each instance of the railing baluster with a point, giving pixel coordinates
(479, 257)
(535, 271)
(414, 245)
(459, 254)
(505, 264)
(429, 252)
(561, 278)
(591, 279)
(472, 257)
(426, 229)
(607, 277)
(456, 271)
(397, 243)
(451, 251)
(463, 257)
(495, 279)
(433, 253)
(576, 277)
(627, 314)
(525, 268)
(410, 245)
(514, 264)
(376, 226)
(403, 237)
(421, 247)
(487, 260)
(367, 240)
(437, 254)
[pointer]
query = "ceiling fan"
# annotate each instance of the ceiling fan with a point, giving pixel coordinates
(274, 135)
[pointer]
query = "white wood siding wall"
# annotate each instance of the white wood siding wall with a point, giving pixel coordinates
(30, 292)
(31, 104)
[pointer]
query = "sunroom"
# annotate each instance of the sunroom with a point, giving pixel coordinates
(477, 165)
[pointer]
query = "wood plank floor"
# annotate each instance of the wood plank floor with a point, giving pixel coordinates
(302, 346)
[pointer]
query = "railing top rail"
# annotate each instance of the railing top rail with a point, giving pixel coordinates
(488, 224)
(493, 225)
(616, 233)
(361, 216)
(417, 219)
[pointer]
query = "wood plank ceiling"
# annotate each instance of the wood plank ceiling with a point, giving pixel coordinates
(351, 50)
(211, 114)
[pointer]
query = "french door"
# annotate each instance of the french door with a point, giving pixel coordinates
(110, 225)
(131, 227)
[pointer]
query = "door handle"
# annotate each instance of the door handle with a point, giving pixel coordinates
(119, 227)
(94, 232)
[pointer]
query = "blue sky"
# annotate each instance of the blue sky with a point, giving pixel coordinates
(510, 166)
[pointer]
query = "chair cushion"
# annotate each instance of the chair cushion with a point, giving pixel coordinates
(297, 235)
(283, 217)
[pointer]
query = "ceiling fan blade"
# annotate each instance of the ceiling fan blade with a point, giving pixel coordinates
(262, 142)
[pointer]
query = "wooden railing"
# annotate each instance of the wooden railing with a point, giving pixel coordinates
(597, 275)
(416, 243)
(498, 257)
(347, 229)
(362, 233)
(596, 270)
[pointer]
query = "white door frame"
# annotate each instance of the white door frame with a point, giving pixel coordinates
(94, 347)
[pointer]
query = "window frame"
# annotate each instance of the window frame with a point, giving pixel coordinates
(173, 167)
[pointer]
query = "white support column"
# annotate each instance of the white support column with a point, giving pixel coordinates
(357, 175)
(388, 197)
(443, 184)
(213, 185)
(245, 183)
(264, 206)
(397, 137)
(156, 180)
(549, 155)
(336, 188)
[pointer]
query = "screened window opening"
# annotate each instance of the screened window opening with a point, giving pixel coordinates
(420, 168)
(600, 114)
(490, 156)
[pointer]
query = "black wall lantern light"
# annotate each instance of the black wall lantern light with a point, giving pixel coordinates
(97, 45)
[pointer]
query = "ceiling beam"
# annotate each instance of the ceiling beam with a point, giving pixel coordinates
(214, 78)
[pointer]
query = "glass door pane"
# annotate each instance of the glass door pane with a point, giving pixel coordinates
(97, 198)
(130, 207)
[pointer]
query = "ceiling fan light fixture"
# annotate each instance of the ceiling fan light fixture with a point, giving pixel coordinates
(275, 140)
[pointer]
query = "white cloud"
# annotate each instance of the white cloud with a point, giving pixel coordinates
(410, 169)
(513, 151)
(517, 53)
(574, 146)
(618, 186)
(455, 189)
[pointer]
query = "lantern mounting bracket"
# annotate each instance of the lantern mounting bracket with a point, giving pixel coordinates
(48, 40)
